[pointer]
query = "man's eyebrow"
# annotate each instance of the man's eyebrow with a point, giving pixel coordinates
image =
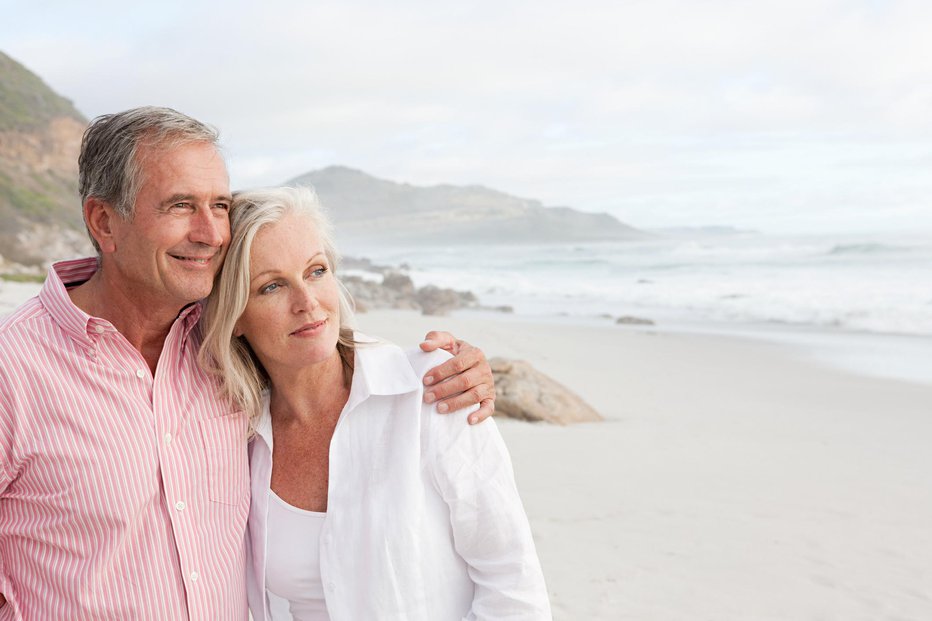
(178, 198)
(187, 198)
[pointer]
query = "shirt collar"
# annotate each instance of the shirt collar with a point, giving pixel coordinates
(74, 321)
(54, 297)
(379, 369)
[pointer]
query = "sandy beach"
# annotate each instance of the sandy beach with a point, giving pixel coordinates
(733, 479)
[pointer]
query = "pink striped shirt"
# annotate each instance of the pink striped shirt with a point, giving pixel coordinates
(122, 495)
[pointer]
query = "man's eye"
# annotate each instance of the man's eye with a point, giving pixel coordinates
(222, 206)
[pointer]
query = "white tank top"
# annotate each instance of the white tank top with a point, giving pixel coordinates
(293, 560)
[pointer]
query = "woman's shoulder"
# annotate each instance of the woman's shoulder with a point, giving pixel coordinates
(423, 361)
(420, 361)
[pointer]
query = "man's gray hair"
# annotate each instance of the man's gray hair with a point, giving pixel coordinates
(108, 167)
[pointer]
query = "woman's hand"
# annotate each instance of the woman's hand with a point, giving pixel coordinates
(464, 380)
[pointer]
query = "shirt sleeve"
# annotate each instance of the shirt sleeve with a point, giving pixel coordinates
(6, 444)
(472, 471)
(6, 435)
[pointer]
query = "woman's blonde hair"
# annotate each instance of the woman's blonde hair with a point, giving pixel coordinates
(227, 357)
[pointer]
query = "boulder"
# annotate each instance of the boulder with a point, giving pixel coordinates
(634, 321)
(435, 300)
(399, 283)
(527, 394)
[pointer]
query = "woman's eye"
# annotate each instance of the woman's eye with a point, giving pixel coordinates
(269, 288)
(319, 272)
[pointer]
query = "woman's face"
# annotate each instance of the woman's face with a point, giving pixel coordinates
(292, 319)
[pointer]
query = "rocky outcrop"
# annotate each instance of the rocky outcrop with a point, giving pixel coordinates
(40, 137)
(396, 290)
(524, 393)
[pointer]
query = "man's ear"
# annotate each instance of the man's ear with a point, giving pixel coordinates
(99, 217)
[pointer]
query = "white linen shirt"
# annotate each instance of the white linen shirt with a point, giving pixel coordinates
(423, 518)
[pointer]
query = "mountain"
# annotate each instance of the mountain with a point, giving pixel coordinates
(40, 137)
(40, 214)
(368, 209)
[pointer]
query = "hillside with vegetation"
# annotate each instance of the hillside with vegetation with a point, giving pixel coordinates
(40, 137)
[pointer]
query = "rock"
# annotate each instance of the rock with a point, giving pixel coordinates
(397, 291)
(400, 283)
(634, 321)
(527, 394)
(436, 301)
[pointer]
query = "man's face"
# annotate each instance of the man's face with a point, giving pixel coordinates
(171, 249)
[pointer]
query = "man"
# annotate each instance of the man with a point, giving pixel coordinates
(123, 479)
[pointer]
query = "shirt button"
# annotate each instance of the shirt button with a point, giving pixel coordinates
(194, 576)
(180, 505)
(332, 585)
(140, 373)
(99, 329)
(168, 438)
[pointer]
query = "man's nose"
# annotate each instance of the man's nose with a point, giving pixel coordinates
(207, 227)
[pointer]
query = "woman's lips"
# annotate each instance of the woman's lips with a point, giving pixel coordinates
(310, 329)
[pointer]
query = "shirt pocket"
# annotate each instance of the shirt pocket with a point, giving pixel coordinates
(226, 458)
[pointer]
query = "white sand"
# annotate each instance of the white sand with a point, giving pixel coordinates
(734, 479)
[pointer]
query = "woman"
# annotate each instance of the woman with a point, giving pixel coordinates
(365, 503)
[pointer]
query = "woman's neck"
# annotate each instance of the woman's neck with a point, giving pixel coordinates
(307, 394)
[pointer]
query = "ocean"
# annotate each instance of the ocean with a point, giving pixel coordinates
(861, 301)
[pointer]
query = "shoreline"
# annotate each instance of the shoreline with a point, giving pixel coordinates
(904, 357)
(898, 357)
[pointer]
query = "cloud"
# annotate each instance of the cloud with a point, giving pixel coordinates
(662, 112)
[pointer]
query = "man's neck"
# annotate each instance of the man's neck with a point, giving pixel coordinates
(144, 323)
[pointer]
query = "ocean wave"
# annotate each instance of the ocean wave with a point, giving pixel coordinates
(863, 284)
(867, 248)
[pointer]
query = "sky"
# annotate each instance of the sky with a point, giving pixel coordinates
(786, 117)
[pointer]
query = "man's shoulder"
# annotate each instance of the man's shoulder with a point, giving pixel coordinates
(21, 321)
